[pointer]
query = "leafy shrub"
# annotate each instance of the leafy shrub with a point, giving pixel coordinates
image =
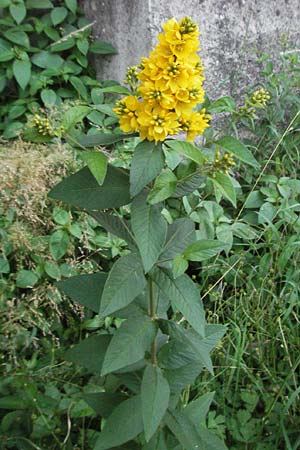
(44, 61)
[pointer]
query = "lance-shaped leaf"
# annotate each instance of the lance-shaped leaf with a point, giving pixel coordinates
(129, 343)
(85, 289)
(150, 229)
(146, 164)
(155, 393)
(180, 234)
(116, 225)
(187, 149)
(82, 190)
(188, 184)
(224, 184)
(181, 377)
(198, 409)
(124, 283)
(92, 140)
(164, 186)
(204, 249)
(90, 352)
(190, 436)
(124, 424)
(104, 403)
(74, 115)
(238, 149)
(157, 442)
(97, 163)
(186, 346)
(184, 297)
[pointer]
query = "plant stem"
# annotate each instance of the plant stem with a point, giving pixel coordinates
(152, 311)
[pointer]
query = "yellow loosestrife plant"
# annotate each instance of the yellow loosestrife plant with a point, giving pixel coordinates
(162, 341)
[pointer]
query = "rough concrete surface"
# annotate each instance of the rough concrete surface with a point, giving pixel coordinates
(233, 33)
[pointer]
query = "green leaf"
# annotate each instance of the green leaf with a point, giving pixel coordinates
(17, 37)
(124, 424)
(116, 225)
(192, 437)
(186, 346)
(13, 130)
(204, 249)
(149, 228)
(4, 3)
(72, 5)
(102, 48)
(198, 409)
(155, 394)
(79, 87)
(22, 72)
(147, 162)
(59, 243)
(48, 97)
(164, 186)
(100, 139)
(18, 11)
(107, 109)
(12, 402)
(223, 104)
(224, 183)
(63, 44)
(83, 45)
(129, 343)
(58, 15)
(6, 52)
(180, 265)
(116, 89)
(47, 60)
(74, 115)
(238, 149)
(187, 149)
(183, 376)
(184, 297)
(83, 191)
(104, 403)
(52, 269)
(90, 352)
(85, 289)
(41, 4)
(180, 234)
(124, 283)
(189, 184)
(26, 279)
(4, 265)
(97, 163)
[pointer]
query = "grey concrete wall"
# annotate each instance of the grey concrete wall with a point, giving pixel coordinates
(233, 33)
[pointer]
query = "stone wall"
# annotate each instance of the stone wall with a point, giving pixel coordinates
(234, 32)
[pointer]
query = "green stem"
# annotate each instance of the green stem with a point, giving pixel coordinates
(152, 308)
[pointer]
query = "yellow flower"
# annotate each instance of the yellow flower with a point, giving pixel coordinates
(194, 123)
(169, 87)
(127, 109)
(157, 123)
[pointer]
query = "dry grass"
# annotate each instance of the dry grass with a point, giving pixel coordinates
(27, 173)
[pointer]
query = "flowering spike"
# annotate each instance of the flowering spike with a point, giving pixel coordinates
(169, 86)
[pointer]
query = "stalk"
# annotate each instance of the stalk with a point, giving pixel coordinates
(152, 310)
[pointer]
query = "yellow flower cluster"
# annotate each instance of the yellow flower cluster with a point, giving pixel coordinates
(44, 127)
(222, 163)
(170, 87)
(259, 99)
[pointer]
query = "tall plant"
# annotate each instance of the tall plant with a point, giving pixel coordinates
(162, 342)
